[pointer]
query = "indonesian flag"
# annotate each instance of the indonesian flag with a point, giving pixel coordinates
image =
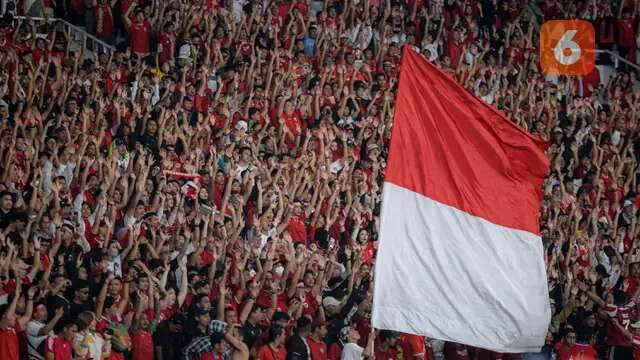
(460, 256)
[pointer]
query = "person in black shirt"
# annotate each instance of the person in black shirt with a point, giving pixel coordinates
(297, 348)
(252, 329)
(6, 209)
(169, 338)
(80, 301)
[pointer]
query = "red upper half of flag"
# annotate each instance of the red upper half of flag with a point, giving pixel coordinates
(452, 147)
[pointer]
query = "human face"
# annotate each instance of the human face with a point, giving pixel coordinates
(83, 294)
(6, 203)
(570, 339)
(115, 286)
(69, 332)
(354, 335)
(204, 320)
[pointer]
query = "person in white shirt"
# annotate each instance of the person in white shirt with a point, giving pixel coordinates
(349, 336)
(88, 343)
(37, 331)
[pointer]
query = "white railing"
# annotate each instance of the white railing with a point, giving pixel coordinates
(76, 34)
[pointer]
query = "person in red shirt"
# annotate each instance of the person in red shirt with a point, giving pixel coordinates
(140, 31)
(141, 341)
(104, 20)
(315, 341)
(626, 37)
(413, 346)
(60, 347)
(386, 347)
(10, 325)
(574, 346)
(563, 347)
(274, 349)
(297, 228)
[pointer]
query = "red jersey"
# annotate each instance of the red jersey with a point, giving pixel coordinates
(583, 352)
(413, 346)
(388, 354)
(142, 345)
(318, 349)
(268, 353)
(164, 48)
(625, 315)
(335, 352)
(59, 347)
(297, 229)
(625, 32)
(293, 121)
(104, 20)
(564, 352)
(140, 37)
(9, 344)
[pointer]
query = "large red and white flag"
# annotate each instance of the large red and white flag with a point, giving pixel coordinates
(460, 256)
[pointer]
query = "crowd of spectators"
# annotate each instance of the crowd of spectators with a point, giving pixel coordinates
(210, 189)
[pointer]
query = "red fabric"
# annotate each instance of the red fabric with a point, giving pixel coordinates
(60, 348)
(583, 352)
(9, 344)
(318, 349)
(297, 229)
(389, 354)
(470, 147)
(563, 351)
(625, 315)
(335, 352)
(268, 353)
(164, 50)
(142, 345)
(104, 20)
(140, 37)
(636, 346)
(625, 32)
(412, 346)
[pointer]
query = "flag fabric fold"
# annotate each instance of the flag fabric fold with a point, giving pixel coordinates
(460, 256)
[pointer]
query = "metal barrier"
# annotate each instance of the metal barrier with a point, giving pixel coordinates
(77, 36)
(618, 58)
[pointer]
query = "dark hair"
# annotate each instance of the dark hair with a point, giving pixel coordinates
(619, 297)
(216, 338)
(274, 332)
(303, 324)
(80, 284)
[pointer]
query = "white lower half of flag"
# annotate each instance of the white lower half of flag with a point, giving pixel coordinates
(449, 275)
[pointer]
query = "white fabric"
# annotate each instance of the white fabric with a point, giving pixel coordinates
(449, 275)
(352, 351)
(33, 327)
